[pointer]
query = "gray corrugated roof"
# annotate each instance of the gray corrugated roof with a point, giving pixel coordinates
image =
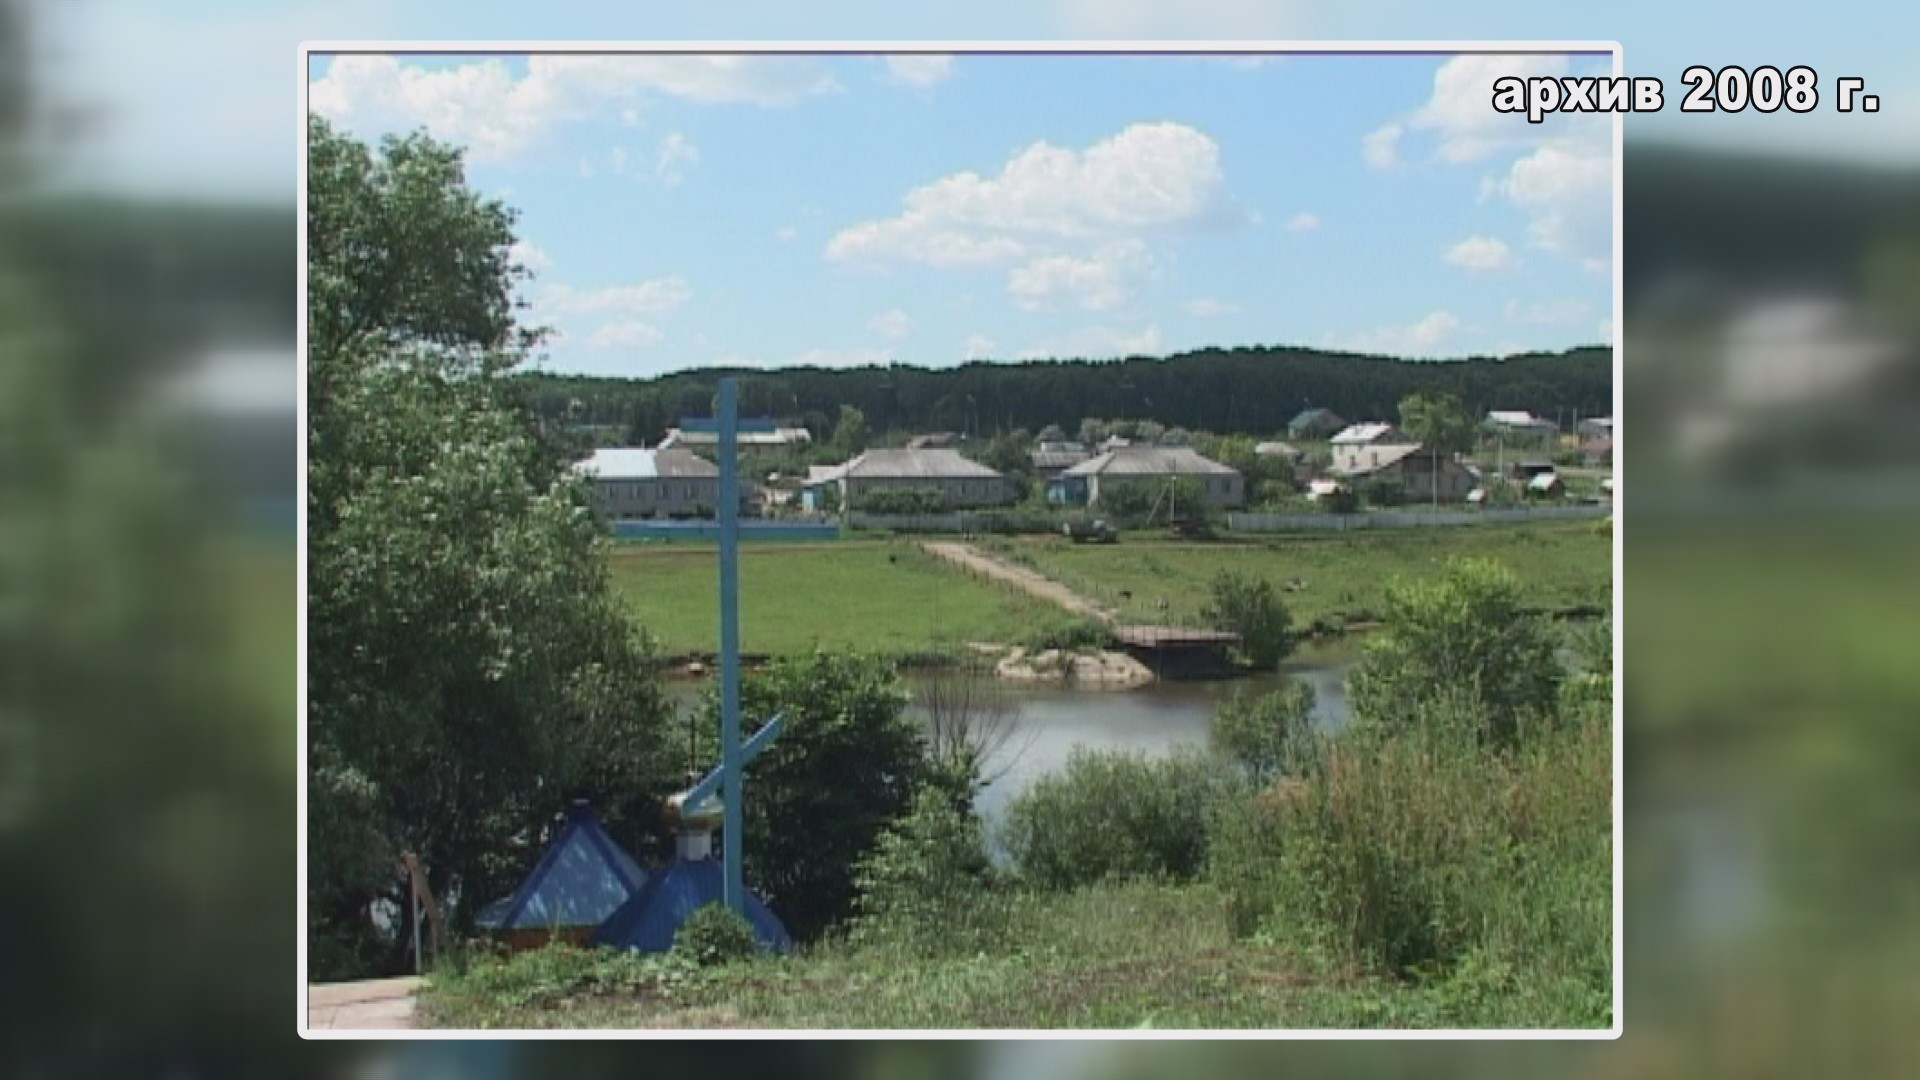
(927, 464)
(635, 463)
(1151, 461)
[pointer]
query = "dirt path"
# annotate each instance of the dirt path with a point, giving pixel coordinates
(1034, 584)
(371, 1005)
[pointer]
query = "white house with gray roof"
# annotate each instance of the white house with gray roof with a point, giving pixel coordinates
(961, 483)
(631, 482)
(1219, 485)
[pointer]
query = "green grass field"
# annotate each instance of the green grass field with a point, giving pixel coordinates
(887, 597)
(1562, 564)
(1109, 956)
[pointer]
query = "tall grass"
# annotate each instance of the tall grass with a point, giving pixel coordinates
(1439, 857)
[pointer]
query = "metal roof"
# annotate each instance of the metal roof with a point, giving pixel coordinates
(1276, 449)
(1370, 432)
(894, 463)
(1389, 457)
(1151, 461)
(635, 463)
(785, 436)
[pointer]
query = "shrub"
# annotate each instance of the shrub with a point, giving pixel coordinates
(846, 766)
(1425, 853)
(1267, 734)
(902, 501)
(1466, 633)
(928, 886)
(1252, 608)
(1112, 816)
(1070, 635)
(714, 934)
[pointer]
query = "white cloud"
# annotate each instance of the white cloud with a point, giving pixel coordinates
(1568, 196)
(1419, 339)
(920, 71)
(675, 151)
(485, 106)
(1303, 222)
(1095, 342)
(980, 347)
(1381, 146)
(629, 334)
(786, 233)
(654, 296)
(528, 254)
(1547, 311)
(1147, 176)
(1206, 307)
(1099, 281)
(893, 324)
(1480, 253)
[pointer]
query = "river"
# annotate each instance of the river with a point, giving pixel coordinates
(1049, 722)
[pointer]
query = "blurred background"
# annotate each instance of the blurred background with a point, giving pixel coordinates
(148, 474)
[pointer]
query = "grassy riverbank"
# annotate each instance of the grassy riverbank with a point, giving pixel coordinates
(1115, 956)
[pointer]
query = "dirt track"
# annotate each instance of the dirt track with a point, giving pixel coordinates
(1034, 584)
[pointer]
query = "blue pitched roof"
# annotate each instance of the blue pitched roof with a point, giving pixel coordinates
(582, 878)
(649, 920)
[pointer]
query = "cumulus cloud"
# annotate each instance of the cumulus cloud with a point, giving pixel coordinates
(526, 253)
(1568, 196)
(786, 233)
(1480, 253)
(894, 324)
(496, 112)
(653, 296)
(627, 334)
(676, 151)
(1148, 176)
(1459, 113)
(980, 347)
(1381, 146)
(1303, 222)
(920, 71)
(1099, 281)
(1422, 338)
(1206, 307)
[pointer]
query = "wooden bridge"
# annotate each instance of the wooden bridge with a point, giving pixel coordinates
(1178, 652)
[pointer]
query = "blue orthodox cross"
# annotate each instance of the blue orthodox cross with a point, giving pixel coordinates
(696, 802)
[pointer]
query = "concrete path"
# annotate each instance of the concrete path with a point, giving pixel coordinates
(1034, 584)
(371, 1005)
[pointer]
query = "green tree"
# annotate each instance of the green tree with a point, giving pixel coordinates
(1251, 607)
(850, 432)
(848, 764)
(1268, 733)
(468, 666)
(1440, 421)
(1468, 636)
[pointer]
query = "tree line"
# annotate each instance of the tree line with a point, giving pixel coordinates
(1248, 389)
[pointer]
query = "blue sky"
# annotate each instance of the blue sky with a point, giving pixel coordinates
(197, 99)
(687, 211)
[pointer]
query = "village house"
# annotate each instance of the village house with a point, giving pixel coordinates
(1521, 424)
(779, 438)
(631, 482)
(961, 483)
(1218, 484)
(1420, 474)
(1367, 446)
(1594, 427)
(1315, 424)
(1052, 457)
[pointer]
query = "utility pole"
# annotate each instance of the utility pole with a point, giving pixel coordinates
(733, 890)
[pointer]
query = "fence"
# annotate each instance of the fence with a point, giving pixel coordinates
(1405, 519)
(710, 530)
